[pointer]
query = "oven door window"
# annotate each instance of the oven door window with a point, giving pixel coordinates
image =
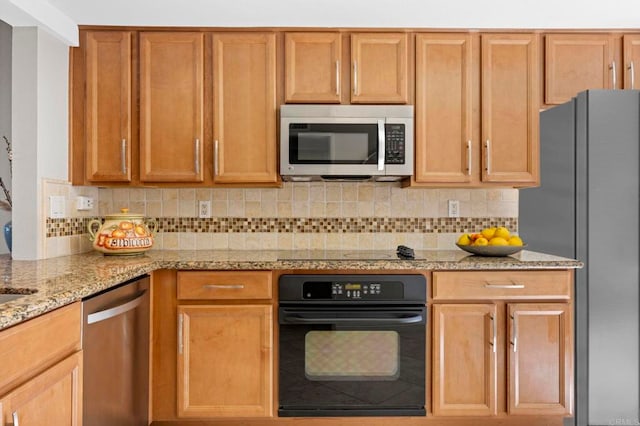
(311, 143)
(352, 355)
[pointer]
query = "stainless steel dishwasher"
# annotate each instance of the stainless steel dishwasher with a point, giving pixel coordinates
(115, 340)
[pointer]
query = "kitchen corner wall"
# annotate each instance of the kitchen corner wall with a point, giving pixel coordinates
(298, 216)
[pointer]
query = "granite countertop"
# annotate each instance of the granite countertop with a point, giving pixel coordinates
(63, 280)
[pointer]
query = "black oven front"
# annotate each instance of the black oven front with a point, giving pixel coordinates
(352, 345)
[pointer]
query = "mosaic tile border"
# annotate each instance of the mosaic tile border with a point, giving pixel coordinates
(78, 226)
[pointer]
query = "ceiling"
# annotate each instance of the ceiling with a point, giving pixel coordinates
(356, 13)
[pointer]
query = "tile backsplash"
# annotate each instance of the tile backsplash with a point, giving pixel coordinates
(296, 216)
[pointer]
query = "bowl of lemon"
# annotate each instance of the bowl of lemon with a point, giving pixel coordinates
(495, 241)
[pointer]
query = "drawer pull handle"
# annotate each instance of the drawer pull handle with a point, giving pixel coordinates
(514, 285)
(224, 286)
(16, 420)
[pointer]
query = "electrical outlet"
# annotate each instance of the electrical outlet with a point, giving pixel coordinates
(204, 209)
(84, 203)
(454, 208)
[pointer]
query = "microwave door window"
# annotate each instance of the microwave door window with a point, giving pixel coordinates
(333, 144)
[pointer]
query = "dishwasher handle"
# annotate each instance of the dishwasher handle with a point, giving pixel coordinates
(116, 310)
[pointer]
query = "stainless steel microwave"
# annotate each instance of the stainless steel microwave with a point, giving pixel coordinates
(346, 142)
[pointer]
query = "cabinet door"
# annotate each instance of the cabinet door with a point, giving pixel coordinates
(244, 92)
(443, 113)
(540, 359)
(577, 62)
(171, 102)
(631, 61)
(379, 68)
(51, 398)
(108, 106)
(225, 361)
(464, 359)
(312, 67)
(510, 108)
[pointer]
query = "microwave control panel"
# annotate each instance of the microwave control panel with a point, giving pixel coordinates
(394, 143)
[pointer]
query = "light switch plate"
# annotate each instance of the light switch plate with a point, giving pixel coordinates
(57, 206)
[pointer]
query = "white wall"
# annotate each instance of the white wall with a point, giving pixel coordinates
(39, 127)
(5, 116)
(359, 13)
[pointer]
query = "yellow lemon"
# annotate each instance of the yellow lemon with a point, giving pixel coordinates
(498, 241)
(515, 241)
(502, 232)
(482, 241)
(464, 240)
(488, 233)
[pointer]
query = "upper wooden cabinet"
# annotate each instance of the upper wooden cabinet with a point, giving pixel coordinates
(379, 68)
(631, 55)
(444, 109)
(171, 106)
(577, 62)
(312, 67)
(244, 105)
(510, 108)
(462, 139)
(108, 106)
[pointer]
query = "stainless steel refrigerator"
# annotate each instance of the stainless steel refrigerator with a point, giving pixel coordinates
(588, 207)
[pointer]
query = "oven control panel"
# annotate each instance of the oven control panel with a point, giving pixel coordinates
(353, 290)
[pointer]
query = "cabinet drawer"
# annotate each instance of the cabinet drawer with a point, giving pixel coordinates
(29, 348)
(224, 285)
(518, 285)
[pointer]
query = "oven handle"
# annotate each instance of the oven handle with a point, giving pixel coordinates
(302, 319)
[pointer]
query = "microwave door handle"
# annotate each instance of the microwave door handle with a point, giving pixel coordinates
(381, 145)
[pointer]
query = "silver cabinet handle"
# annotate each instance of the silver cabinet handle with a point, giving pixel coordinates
(337, 78)
(513, 285)
(16, 421)
(613, 74)
(215, 158)
(224, 286)
(116, 310)
(633, 74)
(355, 78)
(469, 157)
(487, 153)
(196, 157)
(381, 145)
(494, 330)
(180, 324)
(514, 334)
(123, 156)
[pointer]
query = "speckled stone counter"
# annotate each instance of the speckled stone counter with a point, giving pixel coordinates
(63, 280)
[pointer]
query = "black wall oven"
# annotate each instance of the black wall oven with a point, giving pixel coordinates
(352, 345)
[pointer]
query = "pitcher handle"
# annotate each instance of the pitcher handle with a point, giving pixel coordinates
(153, 226)
(92, 233)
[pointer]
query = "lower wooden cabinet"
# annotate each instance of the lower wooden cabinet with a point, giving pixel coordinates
(540, 354)
(52, 398)
(41, 370)
(493, 354)
(464, 359)
(225, 361)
